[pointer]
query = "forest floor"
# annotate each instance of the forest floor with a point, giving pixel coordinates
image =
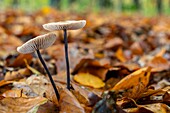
(117, 63)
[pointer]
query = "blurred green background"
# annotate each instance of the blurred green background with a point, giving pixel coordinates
(145, 7)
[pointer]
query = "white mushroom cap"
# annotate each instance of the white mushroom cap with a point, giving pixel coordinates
(39, 42)
(68, 25)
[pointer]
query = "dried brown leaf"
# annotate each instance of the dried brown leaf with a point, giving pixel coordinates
(135, 83)
(17, 74)
(158, 63)
(68, 103)
(20, 105)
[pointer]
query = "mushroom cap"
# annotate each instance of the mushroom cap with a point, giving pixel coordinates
(39, 42)
(68, 25)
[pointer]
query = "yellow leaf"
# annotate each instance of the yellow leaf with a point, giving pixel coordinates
(46, 10)
(89, 80)
(31, 69)
(120, 55)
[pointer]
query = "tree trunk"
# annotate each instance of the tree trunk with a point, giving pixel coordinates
(159, 6)
(72, 1)
(15, 3)
(120, 5)
(137, 4)
(105, 3)
(55, 3)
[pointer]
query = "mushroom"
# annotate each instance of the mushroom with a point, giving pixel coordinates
(65, 25)
(37, 43)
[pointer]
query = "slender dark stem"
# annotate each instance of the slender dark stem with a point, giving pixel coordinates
(67, 59)
(49, 75)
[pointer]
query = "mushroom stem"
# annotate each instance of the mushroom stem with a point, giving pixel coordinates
(49, 75)
(67, 59)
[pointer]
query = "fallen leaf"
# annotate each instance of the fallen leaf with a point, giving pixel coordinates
(111, 82)
(39, 84)
(21, 105)
(136, 48)
(10, 40)
(68, 103)
(90, 95)
(119, 54)
(61, 77)
(99, 55)
(113, 43)
(31, 69)
(130, 66)
(47, 10)
(76, 53)
(150, 92)
(89, 80)
(3, 82)
(5, 86)
(50, 95)
(135, 83)
(48, 107)
(161, 52)
(87, 109)
(166, 98)
(93, 67)
(81, 94)
(16, 29)
(17, 74)
(25, 89)
(80, 97)
(14, 93)
(158, 63)
(153, 108)
(18, 61)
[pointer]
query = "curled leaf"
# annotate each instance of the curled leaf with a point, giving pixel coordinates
(135, 83)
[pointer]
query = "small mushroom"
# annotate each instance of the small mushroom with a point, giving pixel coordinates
(37, 43)
(65, 25)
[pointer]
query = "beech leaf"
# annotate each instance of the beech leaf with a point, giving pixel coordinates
(89, 80)
(21, 105)
(135, 83)
(69, 103)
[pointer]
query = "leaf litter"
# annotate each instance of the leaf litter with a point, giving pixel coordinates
(118, 64)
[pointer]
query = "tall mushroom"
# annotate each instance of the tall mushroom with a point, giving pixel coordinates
(37, 43)
(65, 25)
